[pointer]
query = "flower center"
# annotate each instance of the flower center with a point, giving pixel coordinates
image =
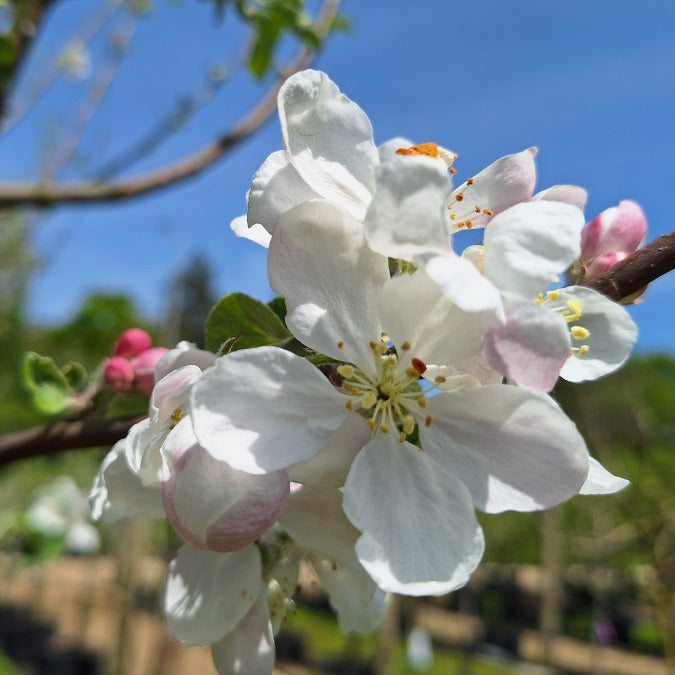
(431, 150)
(386, 399)
(572, 310)
(463, 209)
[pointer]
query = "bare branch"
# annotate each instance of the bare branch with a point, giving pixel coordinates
(53, 438)
(637, 270)
(49, 194)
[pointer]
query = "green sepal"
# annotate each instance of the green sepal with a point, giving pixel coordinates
(75, 374)
(243, 323)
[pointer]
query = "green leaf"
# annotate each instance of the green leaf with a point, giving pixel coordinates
(75, 374)
(49, 387)
(239, 316)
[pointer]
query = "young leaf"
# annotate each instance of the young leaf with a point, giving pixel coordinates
(238, 315)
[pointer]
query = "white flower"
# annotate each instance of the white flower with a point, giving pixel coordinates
(489, 446)
(236, 601)
(60, 510)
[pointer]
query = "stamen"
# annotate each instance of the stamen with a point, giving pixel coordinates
(459, 196)
(418, 365)
(346, 370)
(405, 346)
(579, 332)
(469, 181)
(428, 421)
(488, 212)
(340, 345)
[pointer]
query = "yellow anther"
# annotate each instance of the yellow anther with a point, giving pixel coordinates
(402, 437)
(428, 421)
(177, 414)
(577, 310)
(368, 400)
(459, 196)
(555, 279)
(469, 224)
(439, 379)
(469, 181)
(349, 405)
(340, 345)
(405, 346)
(384, 428)
(422, 401)
(346, 370)
(453, 216)
(553, 295)
(488, 212)
(350, 388)
(583, 350)
(391, 360)
(411, 372)
(372, 424)
(579, 332)
(539, 299)
(427, 149)
(408, 425)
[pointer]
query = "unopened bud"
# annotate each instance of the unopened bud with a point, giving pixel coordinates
(132, 342)
(119, 374)
(620, 228)
(144, 368)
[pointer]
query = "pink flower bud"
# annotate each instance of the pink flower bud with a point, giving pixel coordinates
(144, 368)
(603, 262)
(118, 374)
(132, 342)
(619, 228)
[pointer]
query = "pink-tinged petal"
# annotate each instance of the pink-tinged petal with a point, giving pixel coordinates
(603, 262)
(463, 284)
(527, 245)
(142, 450)
(420, 534)
(131, 342)
(531, 346)
(618, 228)
(118, 493)
(171, 391)
(256, 233)
(359, 603)
(211, 505)
(512, 448)
(331, 280)
(508, 181)
(263, 409)
(249, 648)
(144, 368)
(328, 140)
(570, 194)
(600, 481)
(405, 218)
(611, 335)
(331, 465)
(207, 594)
(184, 354)
(314, 518)
(413, 309)
(276, 188)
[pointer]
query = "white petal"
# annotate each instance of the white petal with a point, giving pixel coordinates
(388, 149)
(207, 594)
(172, 391)
(413, 309)
(406, 217)
(570, 194)
(276, 188)
(331, 281)
(527, 245)
(142, 451)
(249, 648)
(600, 481)
(513, 448)
(463, 284)
(612, 334)
(263, 409)
(328, 140)
(118, 493)
(314, 518)
(531, 346)
(331, 465)
(358, 601)
(211, 505)
(256, 233)
(502, 184)
(420, 535)
(184, 354)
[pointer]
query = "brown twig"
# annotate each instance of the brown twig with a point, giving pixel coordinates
(48, 194)
(53, 438)
(637, 270)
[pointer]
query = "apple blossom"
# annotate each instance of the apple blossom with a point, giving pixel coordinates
(473, 444)
(118, 374)
(131, 342)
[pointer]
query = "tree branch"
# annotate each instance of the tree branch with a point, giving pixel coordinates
(50, 439)
(637, 270)
(49, 194)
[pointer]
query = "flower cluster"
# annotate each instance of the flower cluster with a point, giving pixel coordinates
(414, 394)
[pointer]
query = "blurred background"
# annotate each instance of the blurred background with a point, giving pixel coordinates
(110, 92)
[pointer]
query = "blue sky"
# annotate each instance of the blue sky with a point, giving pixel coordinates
(590, 82)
